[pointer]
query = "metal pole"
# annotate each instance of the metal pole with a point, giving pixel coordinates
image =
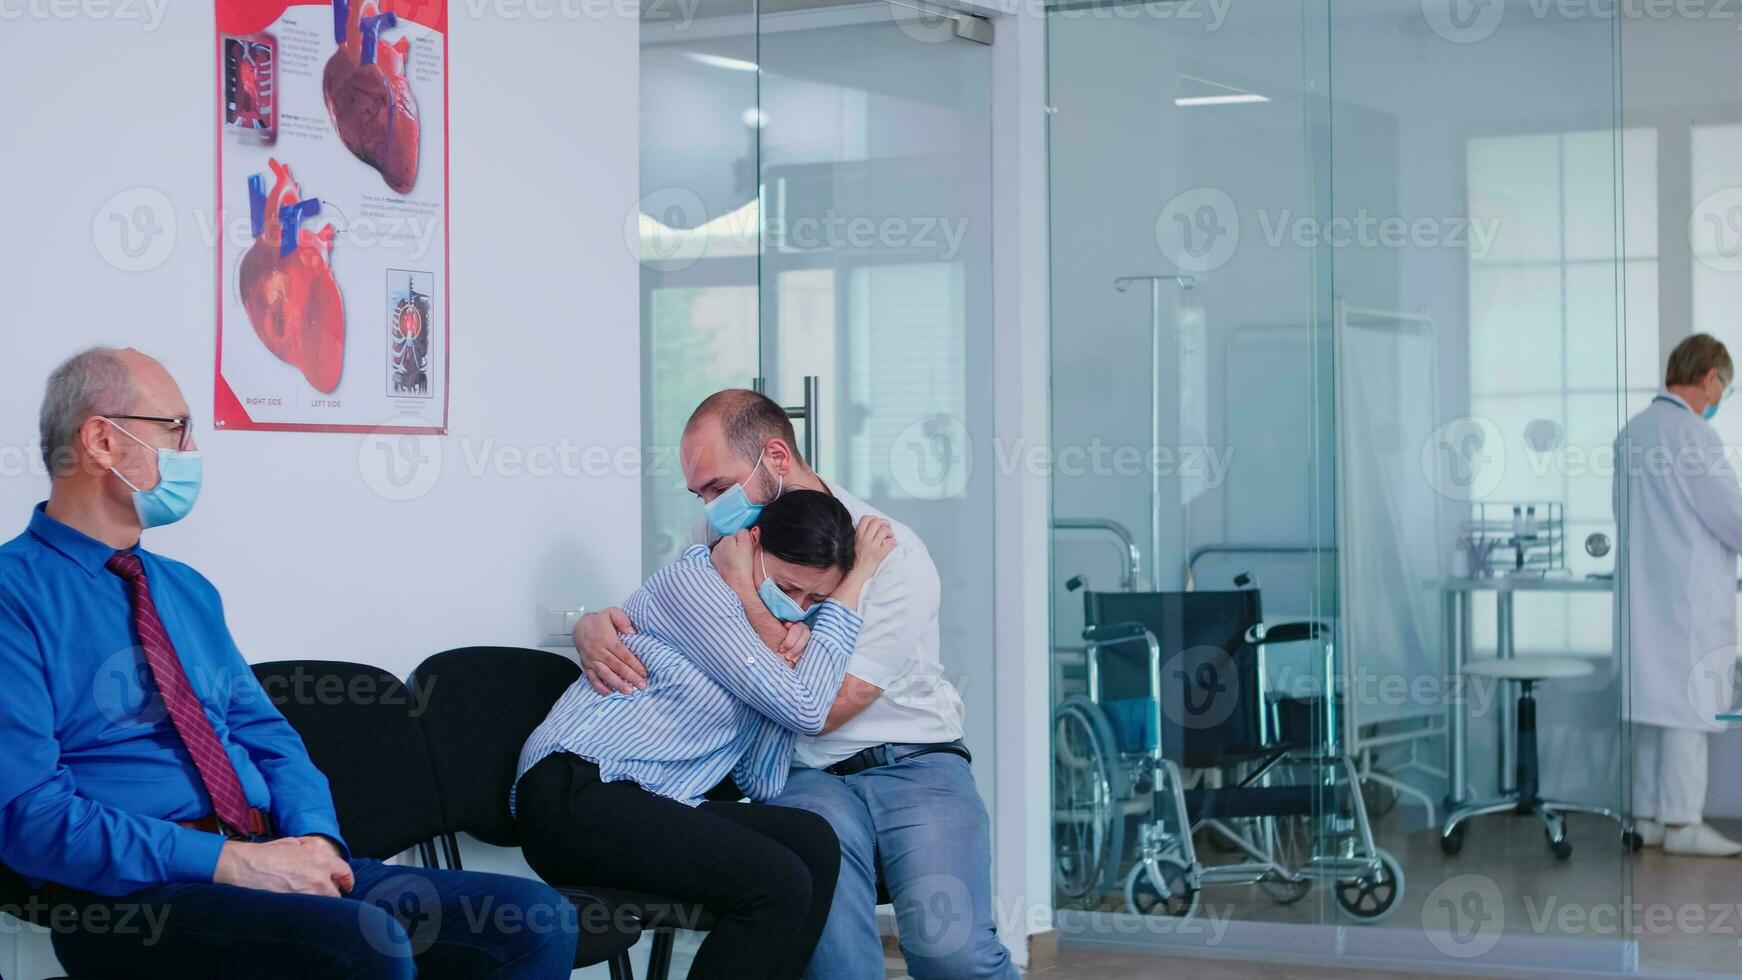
(1503, 649)
(1455, 605)
(806, 410)
(1155, 348)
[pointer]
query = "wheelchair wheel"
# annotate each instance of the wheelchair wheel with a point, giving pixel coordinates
(1291, 845)
(1379, 798)
(1375, 895)
(1088, 817)
(1143, 896)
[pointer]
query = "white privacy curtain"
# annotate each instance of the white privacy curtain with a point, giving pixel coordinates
(1389, 515)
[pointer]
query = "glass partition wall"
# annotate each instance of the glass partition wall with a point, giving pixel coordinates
(816, 222)
(1346, 318)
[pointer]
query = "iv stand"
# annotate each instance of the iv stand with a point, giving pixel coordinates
(1122, 284)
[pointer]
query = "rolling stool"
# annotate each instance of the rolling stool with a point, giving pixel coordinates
(1524, 797)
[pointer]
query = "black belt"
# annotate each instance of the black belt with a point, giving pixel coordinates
(886, 755)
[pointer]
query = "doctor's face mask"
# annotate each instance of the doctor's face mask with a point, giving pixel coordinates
(1722, 395)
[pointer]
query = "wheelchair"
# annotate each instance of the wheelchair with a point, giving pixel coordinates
(1179, 682)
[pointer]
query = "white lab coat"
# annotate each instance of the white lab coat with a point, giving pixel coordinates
(1678, 509)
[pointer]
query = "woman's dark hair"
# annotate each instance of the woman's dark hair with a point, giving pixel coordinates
(810, 528)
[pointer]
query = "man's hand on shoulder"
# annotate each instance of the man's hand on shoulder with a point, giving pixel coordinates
(610, 667)
(289, 866)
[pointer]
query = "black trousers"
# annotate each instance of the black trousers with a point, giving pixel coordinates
(767, 873)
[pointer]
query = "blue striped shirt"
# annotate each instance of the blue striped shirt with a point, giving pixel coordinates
(718, 701)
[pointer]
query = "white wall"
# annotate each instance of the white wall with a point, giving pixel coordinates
(312, 562)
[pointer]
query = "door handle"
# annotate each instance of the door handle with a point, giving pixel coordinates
(806, 410)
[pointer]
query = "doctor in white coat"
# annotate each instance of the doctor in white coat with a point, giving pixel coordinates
(1679, 514)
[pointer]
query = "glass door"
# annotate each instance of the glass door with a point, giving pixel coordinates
(876, 284)
(817, 222)
(1348, 289)
(697, 230)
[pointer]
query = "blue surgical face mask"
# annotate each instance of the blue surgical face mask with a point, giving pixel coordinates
(732, 511)
(778, 602)
(179, 474)
(1710, 411)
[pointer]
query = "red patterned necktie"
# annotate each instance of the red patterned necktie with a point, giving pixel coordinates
(229, 802)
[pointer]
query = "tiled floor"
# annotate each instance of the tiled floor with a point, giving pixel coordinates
(1686, 913)
(1076, 964)
(1697, 925)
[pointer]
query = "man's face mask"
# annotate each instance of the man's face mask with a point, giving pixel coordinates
(732, 511)
(179, 475)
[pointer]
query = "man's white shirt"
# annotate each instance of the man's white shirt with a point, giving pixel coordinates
(898, 651)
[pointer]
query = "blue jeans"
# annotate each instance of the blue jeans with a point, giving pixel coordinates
(397, 923)
(921, 819)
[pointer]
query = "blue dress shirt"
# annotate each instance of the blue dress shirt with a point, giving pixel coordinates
(718, 701)
(93, 776)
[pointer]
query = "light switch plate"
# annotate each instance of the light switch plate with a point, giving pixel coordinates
(556, 623)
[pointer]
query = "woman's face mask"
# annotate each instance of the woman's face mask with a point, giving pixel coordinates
(779, 603)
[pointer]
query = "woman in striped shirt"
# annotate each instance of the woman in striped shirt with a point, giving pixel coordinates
(611, 788)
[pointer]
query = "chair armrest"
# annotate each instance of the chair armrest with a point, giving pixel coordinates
(1291, 632)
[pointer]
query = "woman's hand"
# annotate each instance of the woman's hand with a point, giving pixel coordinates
(798, 636)
(735, 560)
(873, 543)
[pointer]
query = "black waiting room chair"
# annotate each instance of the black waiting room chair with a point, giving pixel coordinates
(481, 704)
(362, 728)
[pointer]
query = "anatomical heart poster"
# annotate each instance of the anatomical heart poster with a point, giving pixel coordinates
(332, 192)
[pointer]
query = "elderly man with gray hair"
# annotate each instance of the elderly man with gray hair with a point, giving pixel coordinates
(145, 778)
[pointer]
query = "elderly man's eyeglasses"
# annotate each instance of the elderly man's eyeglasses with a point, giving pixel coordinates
(182, 427)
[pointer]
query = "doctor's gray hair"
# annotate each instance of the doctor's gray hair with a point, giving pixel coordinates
(91, 382)
(1696, 357)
